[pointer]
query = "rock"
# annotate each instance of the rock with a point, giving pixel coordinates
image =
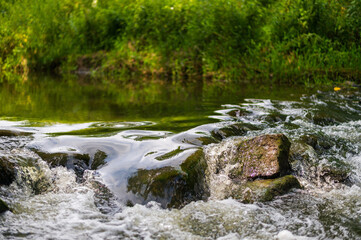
(98, 160)
(274, 117)
(319, 143)
(265, 190)
(78, 162)
(236, 113)
(239, 168)
(264, 156)
(234, 162)
(7, 171)
(170, 154)
(237, 129)
(306, 163)
(13, 133)
(3, 206)
(171, 187)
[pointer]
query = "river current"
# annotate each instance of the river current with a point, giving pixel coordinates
(134, 127)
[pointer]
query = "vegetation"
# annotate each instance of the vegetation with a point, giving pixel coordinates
(283, 41)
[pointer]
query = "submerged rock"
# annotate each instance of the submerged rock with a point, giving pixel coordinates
(305, 162)
(76, 161)
(7, 171)
(265, 189)
(236, 129)
(13, 133)
(172, 187)
(3, 206)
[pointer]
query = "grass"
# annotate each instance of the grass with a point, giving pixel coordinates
(278, 41)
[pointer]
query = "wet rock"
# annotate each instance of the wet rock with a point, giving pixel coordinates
(3, 206)
(237, 129)
(235, 162)
(206, 140)
(7, 171)
(319, 143)
(13, 133)
(274, 117)
(98, 160)
(262, 157)
(78, 162)
(236, 113)
(171, 187)
(170, 154)
(35, 177)
(305, 162)
(265, 189)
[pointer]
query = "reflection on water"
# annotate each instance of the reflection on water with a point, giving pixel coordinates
(100, 135)
(172, 106)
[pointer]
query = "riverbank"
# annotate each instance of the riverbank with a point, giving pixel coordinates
(273, 41)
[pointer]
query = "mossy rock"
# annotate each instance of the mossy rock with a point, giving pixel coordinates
(237, 113)
(237, 129)
(171, 187)
(195, 167)
(304, 157)
(336, 174)
(264, 156)
(3, 206)
(13, 133)
(163, 185)
(98, 160)
(78, 162)
(318, 142)
(266, 189)
(275, 117)
(170, 154)
(7, 171)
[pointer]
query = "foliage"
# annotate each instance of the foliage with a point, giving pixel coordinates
(287, 40)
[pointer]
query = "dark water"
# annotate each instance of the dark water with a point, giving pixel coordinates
(142, 126)
(172, 106)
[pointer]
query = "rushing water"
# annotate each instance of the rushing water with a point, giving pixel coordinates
(131, 127)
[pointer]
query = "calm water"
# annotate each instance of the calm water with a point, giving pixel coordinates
(131, 125)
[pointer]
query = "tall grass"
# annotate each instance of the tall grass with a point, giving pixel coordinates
(287, 40)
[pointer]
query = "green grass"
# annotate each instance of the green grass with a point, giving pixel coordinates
(278, 41)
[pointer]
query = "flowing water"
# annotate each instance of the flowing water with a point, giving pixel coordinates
(77, 142)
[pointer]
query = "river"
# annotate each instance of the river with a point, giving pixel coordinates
(48, 125)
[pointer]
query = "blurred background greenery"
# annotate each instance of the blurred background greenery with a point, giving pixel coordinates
(294, 41)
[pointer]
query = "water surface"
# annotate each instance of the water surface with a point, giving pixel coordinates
(131, 126)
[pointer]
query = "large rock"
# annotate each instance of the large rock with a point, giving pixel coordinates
(237, 162)
(172, 187)
(248, 169)
(264, 156)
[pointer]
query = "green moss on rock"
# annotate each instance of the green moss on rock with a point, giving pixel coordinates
(12, 133)
(266, 189)
(237, 129)
(98, 160)
(172, 187)
(3, 206)
(264, 156)
(170, 154)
